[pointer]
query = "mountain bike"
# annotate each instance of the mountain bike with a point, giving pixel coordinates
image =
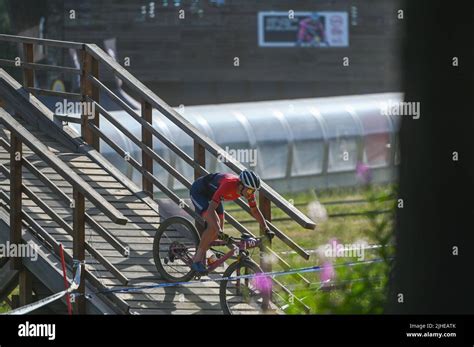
(174, 246)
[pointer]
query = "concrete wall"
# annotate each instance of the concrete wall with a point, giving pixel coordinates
(190, 61)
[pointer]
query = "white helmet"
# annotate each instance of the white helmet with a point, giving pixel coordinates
(250, 179)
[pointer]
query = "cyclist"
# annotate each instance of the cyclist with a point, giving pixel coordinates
(207, 194)
(311, 31)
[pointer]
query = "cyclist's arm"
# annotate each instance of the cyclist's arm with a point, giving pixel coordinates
(259, 217)
(257, 214)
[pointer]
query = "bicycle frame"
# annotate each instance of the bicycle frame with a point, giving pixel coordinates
(239, 246)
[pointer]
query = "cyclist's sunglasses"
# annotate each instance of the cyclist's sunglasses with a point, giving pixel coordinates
(250, 191)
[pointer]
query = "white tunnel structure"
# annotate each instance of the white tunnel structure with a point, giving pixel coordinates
(295, 145)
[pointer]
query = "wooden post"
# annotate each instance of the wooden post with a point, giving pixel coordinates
(199, 158)
(15, 301)
(28, 73)
(26, 289)
(16, 154)
(90, 66)
(265, 207)
(78, 247)
(147, 139)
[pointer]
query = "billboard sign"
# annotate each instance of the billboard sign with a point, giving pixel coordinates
(303, 29)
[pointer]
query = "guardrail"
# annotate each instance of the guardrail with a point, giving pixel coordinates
(81, 190)
(93, 58)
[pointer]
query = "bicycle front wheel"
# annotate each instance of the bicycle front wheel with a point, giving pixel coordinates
(244, 295)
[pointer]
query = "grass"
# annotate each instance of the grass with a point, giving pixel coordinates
(4, 307)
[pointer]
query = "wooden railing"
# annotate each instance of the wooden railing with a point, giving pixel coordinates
(93, 59)
(81, 191)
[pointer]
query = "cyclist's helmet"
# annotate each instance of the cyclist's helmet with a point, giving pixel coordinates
(250, 179)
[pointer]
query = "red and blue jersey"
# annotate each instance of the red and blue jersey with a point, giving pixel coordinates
(224, 187)
(216, 187)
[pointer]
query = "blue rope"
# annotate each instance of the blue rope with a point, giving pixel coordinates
(232, 278)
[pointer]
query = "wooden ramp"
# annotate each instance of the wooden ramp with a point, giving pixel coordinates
(115, 198)
(144, 219)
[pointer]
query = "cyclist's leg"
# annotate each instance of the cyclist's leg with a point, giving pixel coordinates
(220, 214)
(208, 236)
(201, 203)
(211, 233)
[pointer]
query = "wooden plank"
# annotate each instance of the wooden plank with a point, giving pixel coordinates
(131, 236)
(103, 246)
(100, 179)
(105, 183)
(120, 262)
(117, 233)
(140, 226)
(134, 255)
(119, 194)
(96, 241)
(53, 201)
(64, 210)
(74, 158)
(135, 220)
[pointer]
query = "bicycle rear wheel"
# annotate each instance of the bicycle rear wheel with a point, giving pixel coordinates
(246, 295)
(174, 246)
